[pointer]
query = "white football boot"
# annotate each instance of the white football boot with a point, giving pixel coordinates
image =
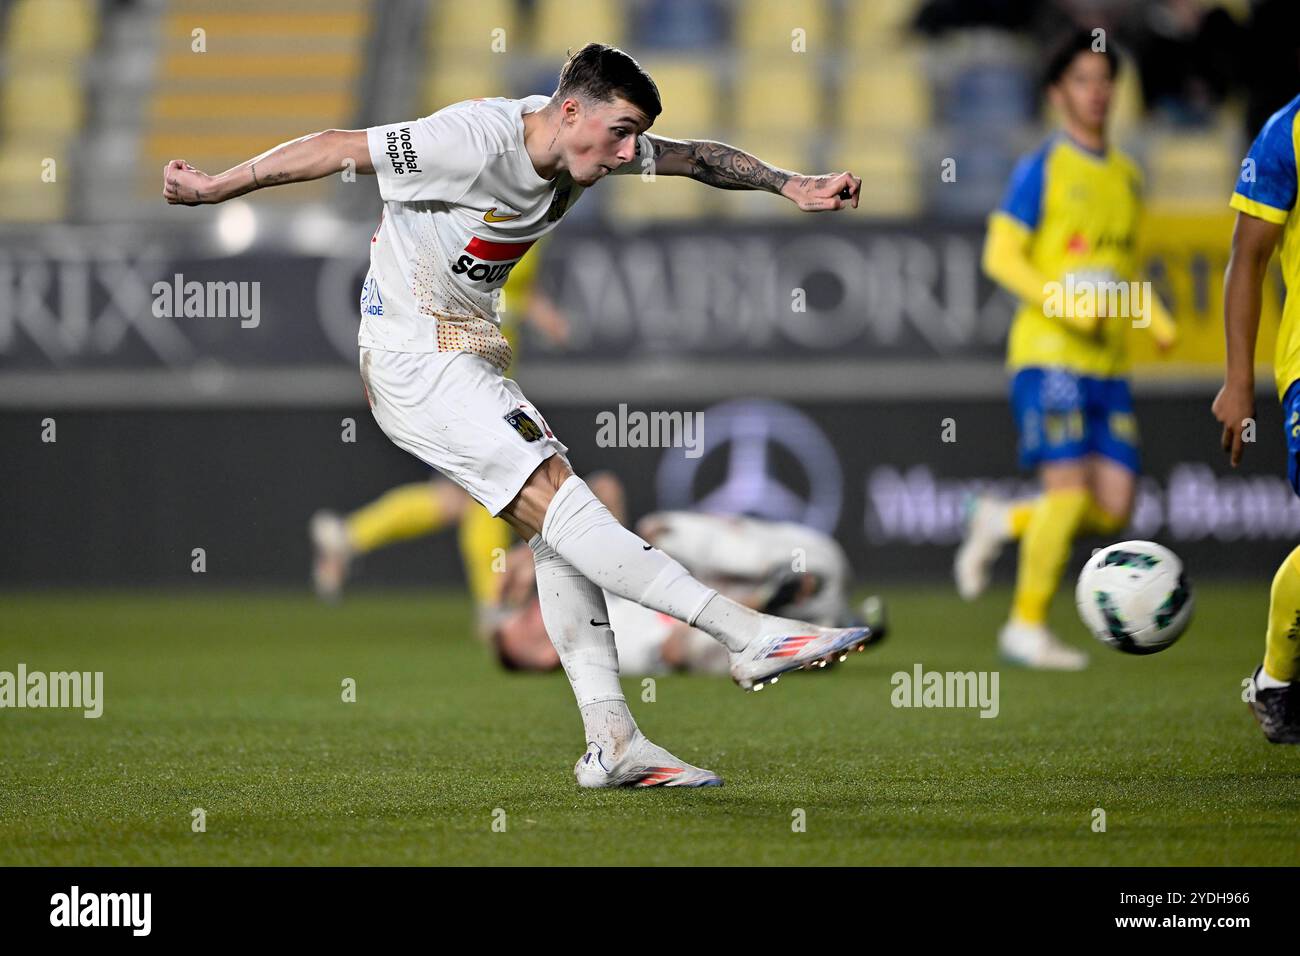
(793, 645)
(643, 764)
(986, 532)
(332, 554)
(1034, 646)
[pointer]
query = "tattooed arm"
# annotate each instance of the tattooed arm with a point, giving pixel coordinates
(309, 157)
(723, 166)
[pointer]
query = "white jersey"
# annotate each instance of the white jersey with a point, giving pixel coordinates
(462, 204)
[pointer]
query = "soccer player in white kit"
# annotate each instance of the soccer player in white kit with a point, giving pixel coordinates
(466, 192)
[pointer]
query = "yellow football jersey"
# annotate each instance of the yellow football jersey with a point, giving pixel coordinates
(1082, 211)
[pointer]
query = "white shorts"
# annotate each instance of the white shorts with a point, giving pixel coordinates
(457, 413)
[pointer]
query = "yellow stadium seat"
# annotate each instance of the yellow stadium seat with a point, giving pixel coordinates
(874, 24)
(464, 78)
(891, 95)
(45, 27)
(772, 25)
(779, 95)
(24, 195)
(630, 200)
(473, 27)
(889, 170)
(567, 25)
(43, 101)
(691, 97)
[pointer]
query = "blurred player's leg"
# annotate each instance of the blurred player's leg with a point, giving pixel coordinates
(484, 541)
(1044, 549)
(1276, 703)
(405, 512)
(990, 523)
(577, 621)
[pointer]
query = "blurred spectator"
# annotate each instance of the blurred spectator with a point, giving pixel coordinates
(1270, 60)
(1187, 54)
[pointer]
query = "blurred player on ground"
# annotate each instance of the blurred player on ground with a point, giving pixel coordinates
(1265, 200)
(467, 191)
(778, 568)
(1068, 221)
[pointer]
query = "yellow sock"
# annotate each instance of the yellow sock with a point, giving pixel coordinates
(1097, 520)
(1282, 645)
(1018, 518)
(1044, 550)
(484, 541)
(408, 511)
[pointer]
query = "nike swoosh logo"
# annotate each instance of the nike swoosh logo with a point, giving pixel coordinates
(491, 216)
(596, 623)
(647, 547)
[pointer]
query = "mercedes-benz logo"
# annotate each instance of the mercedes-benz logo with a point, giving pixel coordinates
(751, 428)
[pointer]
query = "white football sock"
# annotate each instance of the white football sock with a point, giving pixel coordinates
(1265, 681)
(577, 622)
(584, 533)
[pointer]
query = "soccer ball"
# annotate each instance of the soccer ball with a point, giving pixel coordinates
(1135, 597)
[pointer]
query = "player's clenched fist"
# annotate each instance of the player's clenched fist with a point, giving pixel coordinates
(183, 185)
(818, 193)
(1233, 407)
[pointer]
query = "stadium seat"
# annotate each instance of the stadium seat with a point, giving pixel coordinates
(763, 26)
(50, 29)
(470, 27)
(42, 101)
(890, 94)
(24, 195)
(779, 95)
(891, 171)
(877, 24)
(562, 26)
(264, 76)
(631, 201)
(456, 78)
(691, 96)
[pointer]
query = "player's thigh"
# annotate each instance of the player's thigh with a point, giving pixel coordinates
(1048, 407)
(456, 412)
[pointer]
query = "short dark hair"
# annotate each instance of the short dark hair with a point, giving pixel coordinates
(602, 72)
(1063, 54)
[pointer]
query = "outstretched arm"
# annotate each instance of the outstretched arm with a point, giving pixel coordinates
(1252, 245)
(726, 167)
(309, 157)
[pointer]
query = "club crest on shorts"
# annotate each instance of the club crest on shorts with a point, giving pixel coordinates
(521, 423)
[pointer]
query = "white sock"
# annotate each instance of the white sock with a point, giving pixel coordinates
(584, 533)
(610, 724)
(1265, 681)
(577, 622)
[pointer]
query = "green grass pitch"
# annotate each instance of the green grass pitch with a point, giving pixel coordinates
(232, 703)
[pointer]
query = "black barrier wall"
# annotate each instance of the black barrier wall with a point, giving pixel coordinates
(123, 498)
